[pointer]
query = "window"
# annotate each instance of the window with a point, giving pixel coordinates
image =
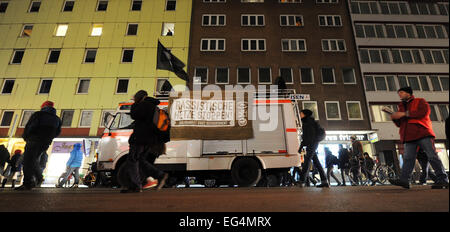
(375, 56)
(333, 45)
(212, 45)
(66, 117)
(348, 75)
(443, 8)
(433, 113)
(86, 118)
(252, 20)
(90, 55)
(45, 86)
(332, 110)
(8, 85)
(264, 75)
(444, 83)
(214, 1)
(424, 83)
(6, 118)
(290, 1)
(443, 109)
(68, 6)
(253, 45)
(26, 31)
(291, 20)
(306, 75)
(391, 83)
(414, 83)
(293, 45)
(168, 29)
(136, 5)
(244, 76)
(286, 74)
(394, 8)
(370, 84)
(34, 7)
(222, 76)
(83, 86)
(328, 75)
(61, 30)
(102, 5)
(251, 1)
(364, 56)
(96, 29)
(25, 117)
(380, 83)
(330, 20)
(354, 110)
(127, 55)
(213, 20)
(171, 5)
(159, 85)
(311, 105)
(132, 29)
(122, 86)
(53, 56)
(364, 8)
(3, 7)
(202, 73)
(104, 115)
(423, 9)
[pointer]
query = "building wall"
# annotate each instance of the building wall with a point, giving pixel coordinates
(275, 58)
(106, 70)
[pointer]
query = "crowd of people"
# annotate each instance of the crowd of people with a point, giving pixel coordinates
(148, 140)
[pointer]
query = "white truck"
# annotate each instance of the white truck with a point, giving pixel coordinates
(260, 161)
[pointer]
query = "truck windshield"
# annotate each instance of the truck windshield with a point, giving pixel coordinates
(122, 121)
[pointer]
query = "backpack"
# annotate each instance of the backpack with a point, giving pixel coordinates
(320, 133)
(161, 120)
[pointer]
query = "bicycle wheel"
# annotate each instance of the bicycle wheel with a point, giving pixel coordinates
(364, 178)
(383, 173)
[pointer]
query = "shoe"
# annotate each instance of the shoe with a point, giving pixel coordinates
(398, 182)
(151, 183)
(323, 185)
(136, 190)
(162, 182)
(440, 185)
(23, 188)
(74, 186)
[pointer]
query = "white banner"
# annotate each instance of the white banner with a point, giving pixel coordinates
(202, 113)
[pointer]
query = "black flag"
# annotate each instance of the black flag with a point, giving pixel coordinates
(165, 60)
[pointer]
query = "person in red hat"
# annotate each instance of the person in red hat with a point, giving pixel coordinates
(40, 130)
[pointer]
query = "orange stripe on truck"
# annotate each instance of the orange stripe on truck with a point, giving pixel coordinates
(271, 101)
(291, 130)
(115, 134)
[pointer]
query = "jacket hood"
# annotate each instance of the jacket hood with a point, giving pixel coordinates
(77, 146)
(307, 119)
(49, 109)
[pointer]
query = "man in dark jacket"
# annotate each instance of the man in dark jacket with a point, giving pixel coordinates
(16, 168)
(416, 130)
(344, 163)
(4, 156)
(309, 139)
(40, 130)
(330, 161)
(145, 136)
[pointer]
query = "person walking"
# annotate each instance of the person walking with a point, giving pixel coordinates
(330, 161)
(370, 168)
(310, 140)
(425, 168)
(413, 119)
(4, 157)
(356, 156)
(73, 166)
(40, 130)
(144, 137)
(344, 163)
(15, 168)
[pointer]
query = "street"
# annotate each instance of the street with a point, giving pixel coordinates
(279, 199)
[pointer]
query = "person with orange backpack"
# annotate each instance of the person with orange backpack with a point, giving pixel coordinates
(145, 137)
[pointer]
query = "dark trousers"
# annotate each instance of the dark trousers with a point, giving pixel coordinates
(312, 156)
(32, 172)
(139, 167)
(426, 171)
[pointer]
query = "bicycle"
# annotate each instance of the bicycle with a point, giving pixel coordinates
(384, 172)
(68, 182)
(91, 178)
(358, 166)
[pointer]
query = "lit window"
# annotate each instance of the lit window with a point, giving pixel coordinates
(61, 30)
(311, 105)
(168, 29)
(26, 31)
(332, 110)
(354, 110)
(97, 30)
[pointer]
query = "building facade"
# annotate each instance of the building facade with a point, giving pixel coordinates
(309, 43)
(84, 55)
(403, 43)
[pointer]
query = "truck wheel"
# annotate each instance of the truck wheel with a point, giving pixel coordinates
(273, 181)
(246, 172)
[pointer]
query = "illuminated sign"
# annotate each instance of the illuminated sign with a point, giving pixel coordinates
(345, 137)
